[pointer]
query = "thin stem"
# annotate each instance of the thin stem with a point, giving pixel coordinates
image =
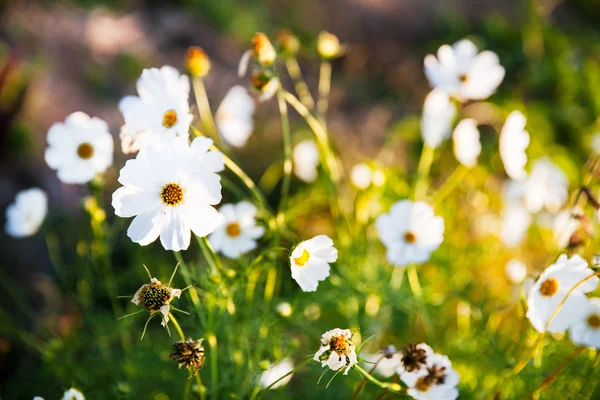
(299, 84)
(212, 341)
(287, 153)
(305, 363)
(177, 326)
(204, 109)
(450, 183)
(415, 287)
(191, 370)
(552, 377)
(364, 381)
(324, 89)
(423, 172)
(392, 387)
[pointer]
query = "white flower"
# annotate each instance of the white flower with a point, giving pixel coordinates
(550, 289)
(438, 113)
(462, 72)
(170, 188)
(79, 148)
(73, 394)
(515, 224)
(565, 224)
(516, 271)
(410, 232)
(437, 381)
(161, 111)
(514, 140)
(585, 331)
(310, 260)
(156, 297)
(234, 117)
(25, 216)
(546, 187)
(361, 175)
(237, 232)
(386, 366)
(276, 371)
(467, 146)
(306, 160)
(414, 358)
(337, 350)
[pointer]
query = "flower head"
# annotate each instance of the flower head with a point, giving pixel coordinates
(234, 117)
(410, 232)
(585, 330)
(264, 52)
(237, 232)
(170, 188)
(467, 145)
(436, 122)
(25, 216)
(156, 297)
(189, 354)
(306, 159)
(73, 394)
(274, 372)
(516, 271)
(414, 358)
(435, 381)
(515, 224)
(514, 140)
(328, 45)
(551, 288)
(197, 62)
(464, 73)
(79, 148)
(310, 262)
(289, 45)
(337, 350)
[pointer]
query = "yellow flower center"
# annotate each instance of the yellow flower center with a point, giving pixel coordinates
(85, 151)
(340, 344)
(171, 194)
(594, 321)
(423, 383)
(233, 230)
(549, 287)
(169, 119)
(409, 237)
(463, 78)
(303, 259)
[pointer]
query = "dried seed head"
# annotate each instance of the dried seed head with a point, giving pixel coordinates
(413, 357)
(197, 62)
(189, 354)
(154, 295)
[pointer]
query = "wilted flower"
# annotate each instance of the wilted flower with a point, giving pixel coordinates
(337, 350)
(462, 72)
(436, 381)
(410, 232)
(161, 112)
(79, 148)
(197, 62)
(552, 287)
(546, 187)
(515, 224)
(436, 122)
(156, 297)
(189, 354)
(234, 117)
(237, 232)
(516, 271)
(328, 45)
(306, 159)
(514, 140)
(310, 260)
(414, 358)
(467, 145)
(73, 394)
(274, 372)
(265, 83)
(25, 216)
(289, 45)
(170, 188)
(585, 331)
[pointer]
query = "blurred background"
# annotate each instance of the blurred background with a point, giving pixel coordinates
(57, 57)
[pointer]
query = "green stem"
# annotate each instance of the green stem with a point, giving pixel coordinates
(324, 89)
(423, 172)
(364, 381)
(212, 341)
(287, 153)
(450, 183)
(261, 393)
(299, 84)
(552, 377)
(191, 370)
(204, 109)
(392, 387)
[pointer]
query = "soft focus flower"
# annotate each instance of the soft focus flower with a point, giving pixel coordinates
(328, 45)
(73, 394)
(237, 232)
(514, 140)
(274, 372)
(436, 381)
(462, 72)
(306, 159)
(234, 117)
(289, 44)
(284, 309)
(161, 111)
(189, 354)
(25, 216)
(585, 331)
(337, 350)
(546, 187)
(515, 224)
(361, 175)
(386, 367)
(79, 148)
(156, 298)
(467, 146)
(262, 52)
(410, 232)
(516, 271)
(310, 260)
(170, 188)
(197, 62)
(436, 122)
(265, 83)
(550, 289)
(565, 226)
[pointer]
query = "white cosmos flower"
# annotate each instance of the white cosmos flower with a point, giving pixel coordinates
(310, 260)
(234, 117)
(467, 146)
(25, 216)
(550, 289)
(436, 122)
(306, 159)
(274, 372)
(515, 224)
(463, 72)
(437, 381)
(585, 331)
(161, 111)
(337, 350)
(565, 224)
(546, 187)
(386, 366)
(516, 271)
(79, 148)
(410, 232)
(170, 188)
(73, 394)
(237, 232)
(514, 140)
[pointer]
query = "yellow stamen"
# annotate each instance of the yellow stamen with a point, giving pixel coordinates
(303, 259)
(169, 119)
(171, 194)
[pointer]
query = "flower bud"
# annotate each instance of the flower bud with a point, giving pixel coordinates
(328, 45)
(288, 43)
(264, 52)
(197, 62)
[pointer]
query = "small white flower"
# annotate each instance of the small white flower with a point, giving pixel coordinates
(437, 381)
(546, 187)
(462, 72)
(161, 111)
(436, 122)
(73, 394)
(516, 271)
(467, 146)
(234, 117)
(79, 148)
(514, 140)
(585, 331)
(337, 350)
(156, 297)
(25, 216)
(237, 233)
(410, 232)
(386, 366)
(361, 176)
(515, 224)
(565, 224)
(275, 372)
(310, 260)
(170, 188)
(306, 160)
(550, 289)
